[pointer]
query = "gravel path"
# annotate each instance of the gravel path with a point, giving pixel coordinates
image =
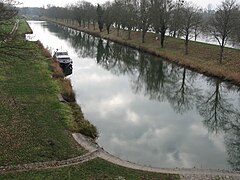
(49, 164)
(185, 174)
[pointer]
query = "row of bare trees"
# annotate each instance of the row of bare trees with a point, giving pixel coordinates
(177, 17)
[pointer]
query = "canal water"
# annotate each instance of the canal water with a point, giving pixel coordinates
(146, 109)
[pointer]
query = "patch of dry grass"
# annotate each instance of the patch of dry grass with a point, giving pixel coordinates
(57, 71)
(67, 91)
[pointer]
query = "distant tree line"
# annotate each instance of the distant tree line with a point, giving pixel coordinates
(177, 17)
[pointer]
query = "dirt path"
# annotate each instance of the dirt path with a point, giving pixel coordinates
(49, 164)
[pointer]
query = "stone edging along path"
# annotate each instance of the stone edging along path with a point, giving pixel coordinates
(95, 151)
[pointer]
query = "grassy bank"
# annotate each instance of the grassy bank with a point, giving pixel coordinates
(94, 169)
(33, 123)
(202, 57)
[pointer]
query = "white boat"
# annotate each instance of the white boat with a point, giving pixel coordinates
(62, 57)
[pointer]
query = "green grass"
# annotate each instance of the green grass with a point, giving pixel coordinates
(33, 123)
(24, 26)
(6, 26)
(94, 169)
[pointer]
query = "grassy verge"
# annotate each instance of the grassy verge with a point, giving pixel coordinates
(24, 27)
(33, 123)
(202, 57)
(94, 169)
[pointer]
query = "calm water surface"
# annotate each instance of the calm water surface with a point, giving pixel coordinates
(147, 110)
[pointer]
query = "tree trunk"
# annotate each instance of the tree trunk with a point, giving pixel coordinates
(108, 29)
(162, 39)
(143, 36)
(80, 23)
(163, 30)
(174, 33)
(100, 26)
(221, 54)
(186, 44)
(118, 28)
(129, 33)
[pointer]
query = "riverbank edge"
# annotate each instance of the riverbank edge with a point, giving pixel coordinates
(57, 74)
(78, 124)
(233, 79)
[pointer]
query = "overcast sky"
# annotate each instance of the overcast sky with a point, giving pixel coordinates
(32, 3)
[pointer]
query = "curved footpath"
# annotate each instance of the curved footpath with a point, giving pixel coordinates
(185, 174)
(97, 152)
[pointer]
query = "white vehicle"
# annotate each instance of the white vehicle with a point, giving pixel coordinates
(62, 57)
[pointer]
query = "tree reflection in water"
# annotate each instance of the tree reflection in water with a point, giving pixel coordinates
(220, 115)
(160, 80)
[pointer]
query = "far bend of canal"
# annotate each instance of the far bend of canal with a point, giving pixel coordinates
(147, 110)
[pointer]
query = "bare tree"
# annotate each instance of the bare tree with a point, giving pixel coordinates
(86, 8)
(198, 28)
(221, 25)
(160, 16)
(78, 13)
(191, 19)
(176, 18)
(129, 16)
(93, 15)
(100, 17)
(118, 9)
(235, 36)
(108, 15)
(144, 17)
(7, 12)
